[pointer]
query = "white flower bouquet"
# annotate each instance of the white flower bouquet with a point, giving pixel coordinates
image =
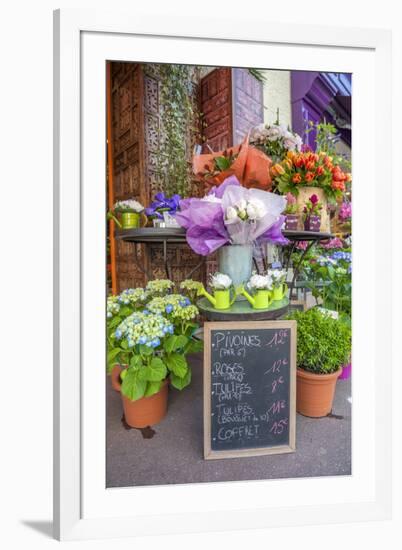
(129, 205)
(275, 140)
(220, 281)
(260, 282)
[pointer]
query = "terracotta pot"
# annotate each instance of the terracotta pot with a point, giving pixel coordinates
(115, 377)
(146, 411)
(315, 392)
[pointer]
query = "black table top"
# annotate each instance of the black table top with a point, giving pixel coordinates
(178, 235)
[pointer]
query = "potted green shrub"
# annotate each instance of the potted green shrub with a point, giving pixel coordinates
(323, 345)
(153, 344)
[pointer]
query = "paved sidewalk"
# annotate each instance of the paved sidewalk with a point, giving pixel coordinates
(175, 452)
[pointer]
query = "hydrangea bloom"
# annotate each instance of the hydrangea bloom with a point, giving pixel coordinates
(140, 328)
(189, 284)
(159, 286)
(342, 255)
(112, 306)
(175, 306)
(132, 296)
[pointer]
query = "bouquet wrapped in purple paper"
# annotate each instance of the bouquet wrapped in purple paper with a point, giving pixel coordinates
(231, 214)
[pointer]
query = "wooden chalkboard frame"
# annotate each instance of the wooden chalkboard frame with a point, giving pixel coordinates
(209, 453)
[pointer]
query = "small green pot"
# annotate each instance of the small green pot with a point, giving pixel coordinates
(130, 220)
(221, 298)
(260, 300)
(280, 291)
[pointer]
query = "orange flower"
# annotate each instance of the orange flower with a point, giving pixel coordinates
(338, 185)
(296, 178)
(310, 165)
(299, 161)
(291, 155)
(309, 176)
(276, 170)
(287, 163)
(319, 171)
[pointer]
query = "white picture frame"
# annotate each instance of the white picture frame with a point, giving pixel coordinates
(83, 507)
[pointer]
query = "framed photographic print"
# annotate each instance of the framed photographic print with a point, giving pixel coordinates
(204, 180)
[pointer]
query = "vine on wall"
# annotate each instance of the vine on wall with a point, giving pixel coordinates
(180, 127)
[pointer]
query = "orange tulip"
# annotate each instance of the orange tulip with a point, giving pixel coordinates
(319, 171)
(296, 178)
(309, 176)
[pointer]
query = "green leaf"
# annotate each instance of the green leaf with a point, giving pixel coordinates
(136, 361)
(155, 371)
(132, 387)
(177, 364)
(173, 343)
(194, 346)
(146, 350)
(180, 382)
(152, 388)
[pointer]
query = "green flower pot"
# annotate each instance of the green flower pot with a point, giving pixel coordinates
(130, 220)
(221, 298)
(262, 299)
(280, 291)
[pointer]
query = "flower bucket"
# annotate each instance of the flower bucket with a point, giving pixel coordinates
(146, 411)
(130, 220)
(236, 260)
(279, 292)
(291, 222)
(346, 372)
(303, 196)
(312, 223)
(315, 393)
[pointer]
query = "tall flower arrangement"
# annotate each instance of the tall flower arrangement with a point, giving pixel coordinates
(309, 169)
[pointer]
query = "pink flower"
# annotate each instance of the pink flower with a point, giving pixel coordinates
(336, 242)
(313, 199)
(291, 199)
(302, 245)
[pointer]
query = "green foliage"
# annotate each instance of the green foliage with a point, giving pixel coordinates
(145, 367)
(180, 119)
(323, 343)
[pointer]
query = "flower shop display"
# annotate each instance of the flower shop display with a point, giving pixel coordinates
(130, 212)
(161, 210)
(232, 219)
(223, 290)
(260, 287)
(275, 140)
(323, 345)
(312, 214)
(279, 286)
(292, 218)
(151, 346)
(248, 164)
(307, 173)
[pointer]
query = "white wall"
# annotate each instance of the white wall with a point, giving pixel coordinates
(277, 95)
(26, 267)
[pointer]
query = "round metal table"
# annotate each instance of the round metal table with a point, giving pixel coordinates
(156, 235)
(177, 235)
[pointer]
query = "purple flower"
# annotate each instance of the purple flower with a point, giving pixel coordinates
(163, 204)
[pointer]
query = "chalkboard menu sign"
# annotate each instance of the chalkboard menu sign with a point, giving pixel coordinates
(249, 388)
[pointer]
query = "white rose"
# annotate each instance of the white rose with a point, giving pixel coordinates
(289, 144)
(220, 281)
(241, 205)
(231, 213)
(256, 209)
(274, 133)
(260, 282)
